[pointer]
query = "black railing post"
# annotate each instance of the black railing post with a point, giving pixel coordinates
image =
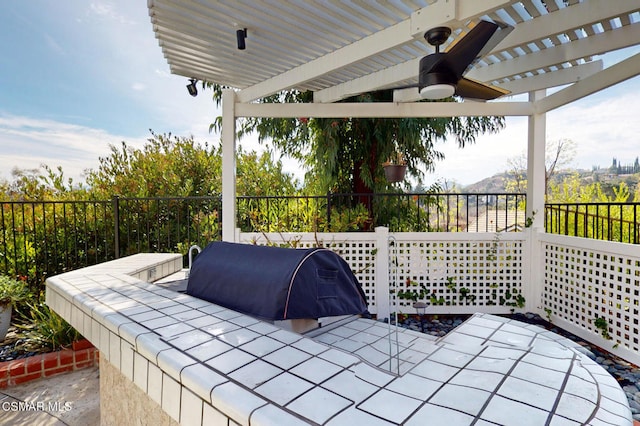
(329, 210)
(116, 225)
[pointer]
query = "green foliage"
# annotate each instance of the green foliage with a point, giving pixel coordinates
(603, 325)
(44, 330)
(346, 154)
(12, 291)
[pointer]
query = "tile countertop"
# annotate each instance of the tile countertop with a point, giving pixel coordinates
(200, 361)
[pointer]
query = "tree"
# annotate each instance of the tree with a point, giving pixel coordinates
(345, 154)
(559, 154)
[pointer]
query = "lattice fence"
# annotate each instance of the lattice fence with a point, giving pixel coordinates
(463, 273)
(594, 286)
(474, 273)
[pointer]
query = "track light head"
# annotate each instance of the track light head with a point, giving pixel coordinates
(191, 87)
(241, 35)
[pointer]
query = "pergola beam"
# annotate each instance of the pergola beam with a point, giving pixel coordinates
(384, 109)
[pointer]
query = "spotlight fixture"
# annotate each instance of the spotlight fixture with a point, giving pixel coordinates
(241, 35)
(191, 87)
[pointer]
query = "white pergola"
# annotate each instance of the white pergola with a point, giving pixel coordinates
(341, 48)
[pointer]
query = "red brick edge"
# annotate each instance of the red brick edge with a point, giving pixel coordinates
(81, 355)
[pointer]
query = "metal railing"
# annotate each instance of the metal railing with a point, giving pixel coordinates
(602, 221)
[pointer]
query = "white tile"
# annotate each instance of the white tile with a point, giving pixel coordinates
(146, 316)
(309, 346)
(468, 400)
(287, 357)
(149, 345)
(355, 417)
(575, 408)
(190, 339)
(244, 320)
(211, 308)
(434, 415)
(390, 406)
(496, 365)
(262, 327)
(154, 383)
(172, 361)
(450, 357)
(174, 309)
(285, 336)
(561, 421)
(171, 391)
(126, 359)
(211, 416)
(208, 350)
(114, 348)
(202, 321)
(254, 374)
(157, 321)
(528, 393)
(435, 370)
(559, 364)
(130, 331)
(340, 358)
(238, 337)
(319, 405)
(262, 346)
(114, 321)
(270, 415)
(485, 380)
(236, 402)
(474, 330)
(581, 388)
(231, 360)
(462, 339)
(373, 356)
(316, 370)
(190, 409)
(227, 314)
(140, 371)
(348, 345)
(540, 375)
(201, 379)
(414, 386)
(220, 327)
(371, 374)
(350, 386)
(506, 412)
(283, 388)
(173, 330)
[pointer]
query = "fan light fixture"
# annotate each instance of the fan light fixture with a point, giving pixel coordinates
(437, 91)
(191, 87)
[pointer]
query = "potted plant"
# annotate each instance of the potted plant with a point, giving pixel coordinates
(395, 167)
(11, 292)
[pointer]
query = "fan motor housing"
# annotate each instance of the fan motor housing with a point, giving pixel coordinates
(433, 71)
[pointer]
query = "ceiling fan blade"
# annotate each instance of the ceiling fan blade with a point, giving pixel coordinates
(472, 89)
(482, 38)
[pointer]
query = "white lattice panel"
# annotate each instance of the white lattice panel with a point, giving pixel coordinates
(474, 272)
(588, 279)
(358, 250)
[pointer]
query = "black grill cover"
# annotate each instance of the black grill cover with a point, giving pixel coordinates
(276, 283)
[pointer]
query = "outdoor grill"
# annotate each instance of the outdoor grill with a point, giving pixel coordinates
(277, 284)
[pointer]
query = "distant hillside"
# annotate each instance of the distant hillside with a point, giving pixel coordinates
(608, 181)
(495, 183)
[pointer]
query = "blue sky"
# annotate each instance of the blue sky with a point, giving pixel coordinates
(78, 75)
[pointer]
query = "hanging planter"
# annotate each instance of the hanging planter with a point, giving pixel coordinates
(395, 172)
(395, 168)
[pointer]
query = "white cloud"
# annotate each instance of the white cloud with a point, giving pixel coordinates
(27, 143)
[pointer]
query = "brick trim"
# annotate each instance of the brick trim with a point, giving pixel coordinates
(81, 355)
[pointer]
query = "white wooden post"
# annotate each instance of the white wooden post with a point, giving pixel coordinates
(228, 165)
(536, 188)
(382, 272)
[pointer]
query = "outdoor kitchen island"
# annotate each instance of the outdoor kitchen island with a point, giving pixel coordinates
(205, 364)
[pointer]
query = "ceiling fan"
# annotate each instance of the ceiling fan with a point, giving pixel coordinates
(441, 74)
